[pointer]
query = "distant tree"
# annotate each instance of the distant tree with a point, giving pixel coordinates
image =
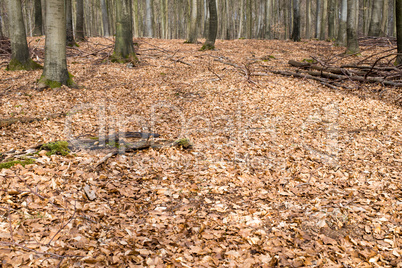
(124, 47)
(79, 20)
(331, 19)
(38, 18)
(296, 21)
(375, 22)
(384, 19)
(149, 18)
(324, 20)
(212, 26)
(398, 10)
(318, 19)
(249, 19)
(55, 71)
(193, 22)
(352, 42)
(105, 18)
(20, 59)
(308, 19)
(341, 40)
(69, 24)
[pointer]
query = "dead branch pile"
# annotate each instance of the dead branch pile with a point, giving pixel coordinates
(334, 76)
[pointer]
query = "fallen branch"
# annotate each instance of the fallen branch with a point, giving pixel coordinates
(10, 121)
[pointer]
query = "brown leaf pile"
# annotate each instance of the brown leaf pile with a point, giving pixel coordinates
(283, 172)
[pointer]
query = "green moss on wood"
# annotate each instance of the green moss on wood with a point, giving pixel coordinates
(207, 47)
(16, 65)
(44, 83)
(9, 164)
(58, 147)
(121, 59)
(185, 143)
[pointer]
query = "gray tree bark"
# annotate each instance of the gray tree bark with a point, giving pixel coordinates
(20, 59)
(124, 47)
(105, 18)
(318, 20)
(149, 18)
(375, 22)
(249, 20)
(308, 19)
(331, 19)
(69, 24)
(79, 21)
(296, 21)
(384, 20)
(398, 11)
(341, 40)
(324, 19)
(38, 18)
(193, 29)
(55, 71)
(352, 42)
(212, 26)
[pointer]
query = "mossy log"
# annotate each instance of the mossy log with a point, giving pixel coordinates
(10, 121)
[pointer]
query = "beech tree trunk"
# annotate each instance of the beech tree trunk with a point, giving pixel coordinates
(352, 42)
(20, 59)
(69, 24)
(398, 11)
(212, 26)
(38, 18)
(249, 20)
(124, 47)
(384, 19)
(296, 21)
(308, 19)
(149, 19)
(324, 20)
(105, 18)
(193, 33)
(331, 19)
(342, 23)
(79, 27)
(318, 20)
(375, 22)
(55, 71)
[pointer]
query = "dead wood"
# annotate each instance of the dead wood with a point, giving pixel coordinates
(10, 121)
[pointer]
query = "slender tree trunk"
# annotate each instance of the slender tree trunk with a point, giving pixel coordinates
(55, 71)
(193, 33)
(149, 18)
(163, 19)
(105, 18)
(241, 23)
(20, 59)
(324, 19)
(212, 26)
(308, 19)
(375, 22)
(69, 24)
(318, 20)
(398, 11)
(124, 47)
(296, 20)
(331, 19)
(352, 42)
(38, 18)
(342, 23)
(79, 21)
(249, 20)
(384, 20)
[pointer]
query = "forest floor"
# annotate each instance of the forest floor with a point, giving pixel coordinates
(283, 171)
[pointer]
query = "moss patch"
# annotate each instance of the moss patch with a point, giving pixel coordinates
(16, 65)
(120, 59)
(207, 47)
(58, 147)
(184, 143)
(9, 164)
(47, 83)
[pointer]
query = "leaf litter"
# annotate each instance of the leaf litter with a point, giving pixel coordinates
(282, 172)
